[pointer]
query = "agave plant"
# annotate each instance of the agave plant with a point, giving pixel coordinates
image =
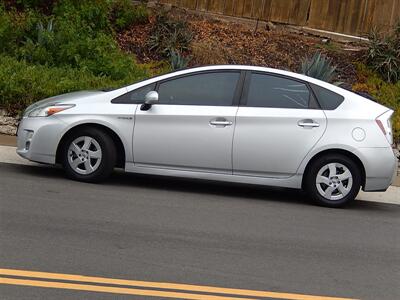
(319, 67)
(178, 61)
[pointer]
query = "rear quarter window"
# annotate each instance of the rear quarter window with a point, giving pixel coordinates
(327, 99)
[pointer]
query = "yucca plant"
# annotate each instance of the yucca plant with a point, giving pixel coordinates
(169, 34)
(383, 54)
(319, 67)
(45, 33)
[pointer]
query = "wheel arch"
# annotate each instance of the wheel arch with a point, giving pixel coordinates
(347, 153)
(121, 153)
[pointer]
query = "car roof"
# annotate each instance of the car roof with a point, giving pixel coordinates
(240, 67)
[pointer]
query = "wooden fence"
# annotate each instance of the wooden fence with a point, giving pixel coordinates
(355, 17)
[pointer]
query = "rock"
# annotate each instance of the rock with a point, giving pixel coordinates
(8, 130)
(270, 26)
(167, 7)
(151, 4)
(8, 125)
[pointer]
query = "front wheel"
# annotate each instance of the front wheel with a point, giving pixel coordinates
(89, 155)
(333, 180)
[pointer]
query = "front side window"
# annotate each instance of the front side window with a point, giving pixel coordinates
(214, 89)
(136, 96)
(277, 92)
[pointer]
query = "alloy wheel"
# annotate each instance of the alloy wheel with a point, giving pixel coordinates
(334, 181)
(84, 155)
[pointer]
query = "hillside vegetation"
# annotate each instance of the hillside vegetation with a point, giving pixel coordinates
(49, 47)
(54, 47)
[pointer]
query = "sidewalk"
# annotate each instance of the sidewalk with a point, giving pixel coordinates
(8, 155)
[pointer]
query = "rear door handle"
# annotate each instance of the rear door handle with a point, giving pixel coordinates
(220, 122)
(308, 123)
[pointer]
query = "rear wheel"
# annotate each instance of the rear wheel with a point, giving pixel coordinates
(333, 180)
(89, 155)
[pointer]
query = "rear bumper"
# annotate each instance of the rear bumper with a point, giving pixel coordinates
(380, 167)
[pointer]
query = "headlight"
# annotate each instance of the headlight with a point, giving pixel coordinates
(49, 110)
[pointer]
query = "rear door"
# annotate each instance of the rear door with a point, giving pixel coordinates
(277, 124)
(192, 126)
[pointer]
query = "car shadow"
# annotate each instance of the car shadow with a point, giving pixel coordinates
(208, 187)
(233, 190)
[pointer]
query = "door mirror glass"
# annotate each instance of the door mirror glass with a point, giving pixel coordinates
(151, 98)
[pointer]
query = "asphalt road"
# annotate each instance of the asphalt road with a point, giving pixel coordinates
(178, 231)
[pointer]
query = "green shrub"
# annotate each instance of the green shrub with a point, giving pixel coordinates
(90, 16)
(169, 35)
(124, 14)
(77, 35)
(22, 83)
(45, 6)
(319, 67)
(383, 55)
(15, 28)
(70, 49)
(385, 93)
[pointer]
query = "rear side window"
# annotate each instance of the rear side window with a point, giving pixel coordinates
(135, 96)
(214, 89)
(277, 92)
(327, 99)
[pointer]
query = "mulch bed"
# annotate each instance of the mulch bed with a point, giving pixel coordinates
(223, 42)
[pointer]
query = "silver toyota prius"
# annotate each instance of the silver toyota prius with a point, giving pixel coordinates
(239, 124)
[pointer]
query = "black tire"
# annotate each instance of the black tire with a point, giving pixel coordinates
(107, 160)
(311, 180)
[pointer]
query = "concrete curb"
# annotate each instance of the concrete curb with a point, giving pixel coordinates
(8, 155)
(8, 140)
(392, 196)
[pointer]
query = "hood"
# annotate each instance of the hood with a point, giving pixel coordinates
(64, 98)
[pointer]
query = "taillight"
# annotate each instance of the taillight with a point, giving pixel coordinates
(385, 124)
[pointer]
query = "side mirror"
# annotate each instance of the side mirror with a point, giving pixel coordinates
(150, 99)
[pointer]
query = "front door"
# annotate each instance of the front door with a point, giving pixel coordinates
(192, 126)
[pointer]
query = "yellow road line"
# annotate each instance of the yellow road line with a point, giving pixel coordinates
(164, 285)
(113, 290)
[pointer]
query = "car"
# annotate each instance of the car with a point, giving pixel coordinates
(241, 124)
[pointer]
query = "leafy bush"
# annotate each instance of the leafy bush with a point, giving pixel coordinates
(124, 14)
(22, 83)
(89, 15)
(79, 35)
(69, 49)
(169, 35)
(319, 67)
(45, 6)
(15, 28)
(383, 55)
(385, 93)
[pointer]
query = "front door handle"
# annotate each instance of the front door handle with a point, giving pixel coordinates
(308, 123)
(221, 122)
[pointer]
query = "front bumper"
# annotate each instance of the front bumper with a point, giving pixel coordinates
(380, 167)
(38, 138)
